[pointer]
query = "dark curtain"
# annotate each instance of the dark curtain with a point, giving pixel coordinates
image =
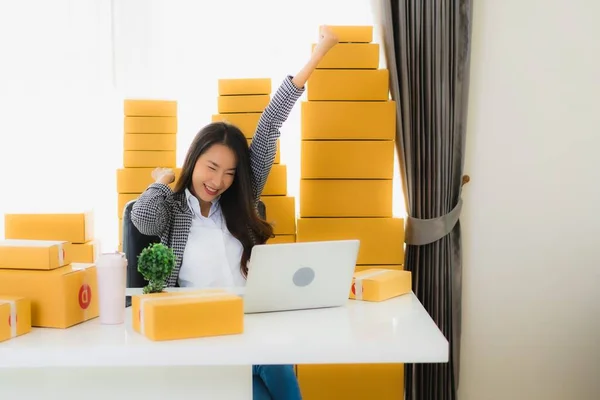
(427, 46)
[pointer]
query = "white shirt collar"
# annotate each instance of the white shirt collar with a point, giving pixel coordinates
(194, 204)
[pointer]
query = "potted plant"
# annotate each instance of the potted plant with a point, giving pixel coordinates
(155, 263)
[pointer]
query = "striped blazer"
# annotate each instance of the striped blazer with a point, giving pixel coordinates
(160, 212)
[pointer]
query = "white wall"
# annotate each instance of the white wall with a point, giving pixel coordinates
(531, 222)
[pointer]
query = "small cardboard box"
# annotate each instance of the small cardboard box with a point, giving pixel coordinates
(353, 33)
(15, 317)
(381, 239)
(228, 87)
(150, 125)
(276, 184)
(246, 122)
(70, 227)
(243, 103)
(84, 252)
(348, 85)
(60, 298)
(346, 198)
(137, 180)
(380, 284)
(351, 56)
(281, 213)
(347, 159)
(348, 120)
(149, 159)
(150, 141)
(150, 108)
(34, 254)
(185, 315)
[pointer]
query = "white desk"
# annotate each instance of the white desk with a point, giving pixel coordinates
(95, 361)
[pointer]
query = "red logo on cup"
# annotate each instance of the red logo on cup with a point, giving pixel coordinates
(85, 296)
(354, 289)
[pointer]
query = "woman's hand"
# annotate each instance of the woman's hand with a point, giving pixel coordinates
(327, 39)
(165, 176)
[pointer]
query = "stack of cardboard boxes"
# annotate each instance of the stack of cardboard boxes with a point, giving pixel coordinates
(347, 164)
(39, 278)
(241, 103)
(149, 141)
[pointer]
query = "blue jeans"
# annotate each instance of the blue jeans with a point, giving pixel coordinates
(275, 382)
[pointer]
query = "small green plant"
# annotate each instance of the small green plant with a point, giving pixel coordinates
(155, 263)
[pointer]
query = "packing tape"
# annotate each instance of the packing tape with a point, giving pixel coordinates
(144, 300)
(13, 316)
(358, 290)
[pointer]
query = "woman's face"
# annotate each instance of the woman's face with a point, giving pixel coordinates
(214, 172)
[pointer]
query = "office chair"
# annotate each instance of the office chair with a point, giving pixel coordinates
(134, 242)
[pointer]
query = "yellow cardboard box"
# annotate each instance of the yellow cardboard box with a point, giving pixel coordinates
(352, 56)
(183, 315)
(349, 85)
(353, 33)
(381, 239)
(243, 104)
(348, 120)
(150, 141)
(74, 227)
(137, 180)
(60, 298)
(84, 253)
(150, 125)
(359, 268)
(281, 214)
(282, 239)
(149, 159)
(228, 87)
(345, 159)
(351, 381)
(150, 108)
(15, 317)
(246, 122)
(123, 199)
(380, 284)
(34, 254)
(276, 184)
(346, 198)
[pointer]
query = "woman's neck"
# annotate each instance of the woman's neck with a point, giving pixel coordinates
(204, 207)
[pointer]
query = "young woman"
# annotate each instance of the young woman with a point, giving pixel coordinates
(210, 219)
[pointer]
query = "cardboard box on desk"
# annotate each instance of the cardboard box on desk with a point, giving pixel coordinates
(15, 317)
(380, 284)
(185, 315)
(34, 254)
(60, 298)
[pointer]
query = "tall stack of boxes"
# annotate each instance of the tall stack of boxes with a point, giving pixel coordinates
(37, 267)
(347, 164)
(149, 141)
(241, 102)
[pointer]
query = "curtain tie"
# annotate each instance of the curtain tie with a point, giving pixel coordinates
(424, 231)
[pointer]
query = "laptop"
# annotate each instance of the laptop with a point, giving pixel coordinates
(299, 276)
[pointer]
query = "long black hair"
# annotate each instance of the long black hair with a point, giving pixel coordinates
(237, 202)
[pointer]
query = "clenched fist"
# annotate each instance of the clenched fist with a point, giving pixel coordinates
(327, 39)
(165, 176)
